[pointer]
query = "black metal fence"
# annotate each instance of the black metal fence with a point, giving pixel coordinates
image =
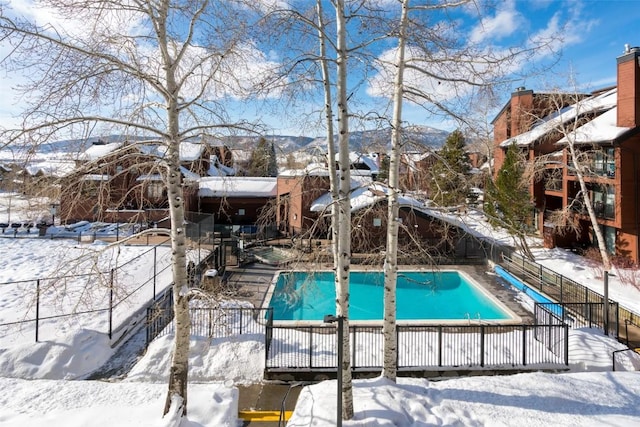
(102, 292)
(582, 306)
(421, 347)
(218, 322)
(578, 315)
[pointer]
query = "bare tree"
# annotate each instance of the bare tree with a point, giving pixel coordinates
(580, 155)
(139, 68)
(427, 56)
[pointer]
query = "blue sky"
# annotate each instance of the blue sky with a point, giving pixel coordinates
(593, 35)
(592, 52)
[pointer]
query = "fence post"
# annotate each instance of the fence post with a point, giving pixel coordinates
(310, 347)
(540, 277)
(37, 307)
(561, 289)
(439, 345)
(210, 323)
(566, 344)
(397, 346)
(605, 307)
(524, 345)
(482, 345)
(111, 304)
(148, 323)
(155, 257)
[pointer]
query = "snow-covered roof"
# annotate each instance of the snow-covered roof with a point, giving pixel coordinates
(235, 186)
(598, 103)
(98, 151)
(55, 169)
(188, 175)
(412, 159)
(312, 169)
(149, 177)
(190, 151)
(365, 196)
(218, 169)
(602, 128)
(95, 177)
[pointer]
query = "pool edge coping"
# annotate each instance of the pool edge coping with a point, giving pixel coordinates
(514, 320)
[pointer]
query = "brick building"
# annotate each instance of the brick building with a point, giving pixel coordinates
(604, 128)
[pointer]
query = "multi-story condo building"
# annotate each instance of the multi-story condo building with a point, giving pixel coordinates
(604, 128)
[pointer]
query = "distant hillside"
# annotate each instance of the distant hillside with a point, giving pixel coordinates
(420, 138)
(63, 149)
(417, 138)
(283, 144)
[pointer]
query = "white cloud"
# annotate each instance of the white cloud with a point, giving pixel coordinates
(561, 32)
(78, 21)
(503, 24)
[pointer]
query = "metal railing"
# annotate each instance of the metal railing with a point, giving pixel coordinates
(579, 315)
(433, 347)
(569, 293)
(212, 322)
(97, 293)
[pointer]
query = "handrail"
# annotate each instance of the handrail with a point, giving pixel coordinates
(569, 289)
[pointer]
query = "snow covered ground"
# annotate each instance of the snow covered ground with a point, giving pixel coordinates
(590, 395)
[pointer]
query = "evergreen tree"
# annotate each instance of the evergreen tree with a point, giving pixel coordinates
(450, 183)
(272, 164)
(507, 201)
(263, 160)
(383, 174)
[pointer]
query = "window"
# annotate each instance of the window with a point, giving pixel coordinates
(155, 190)
(604, 201)
(240, 212)
(377, 222)
(604, 162)
(609, 234)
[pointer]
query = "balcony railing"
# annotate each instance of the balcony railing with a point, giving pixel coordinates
(553, 184)
(602, 210)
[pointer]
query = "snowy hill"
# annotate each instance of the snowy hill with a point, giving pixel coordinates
(418, 138)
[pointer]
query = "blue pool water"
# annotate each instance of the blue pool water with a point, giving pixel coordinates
(438, 295)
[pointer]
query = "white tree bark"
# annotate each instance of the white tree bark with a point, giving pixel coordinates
(331, 152)
(179, 371)
(165, 82)
(391, 257)
(344, 208)
(579, 171)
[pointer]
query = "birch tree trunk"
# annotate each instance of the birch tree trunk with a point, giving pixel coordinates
(331, 152)
(578, 169)
(389, 369)
(178, 373)
(344, 207)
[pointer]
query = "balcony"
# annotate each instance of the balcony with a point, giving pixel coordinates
(601, 209)
(553, 184)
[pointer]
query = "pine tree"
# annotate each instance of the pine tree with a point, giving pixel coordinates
(450, 183)
(272, 163)
(263, 160)
(507, 201)
(383, 174)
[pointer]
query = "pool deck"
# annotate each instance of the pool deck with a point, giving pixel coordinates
(252, 281)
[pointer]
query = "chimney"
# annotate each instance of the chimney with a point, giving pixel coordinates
(521, 110)
(629, 87)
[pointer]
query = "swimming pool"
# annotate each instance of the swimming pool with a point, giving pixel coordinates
(421, 295)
